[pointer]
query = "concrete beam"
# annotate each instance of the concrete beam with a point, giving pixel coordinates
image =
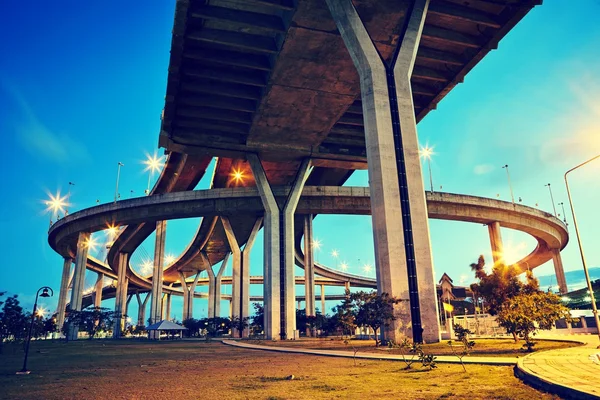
(559, 271)
(496, 242)
(157, 274)
(271, 286)
(121, 297)
(64, 289)
(412, 192)
(386, 94)
(78, 279)
(245, 273)
(98, 290)
(309, 266)
(236, 273)
(214, 289)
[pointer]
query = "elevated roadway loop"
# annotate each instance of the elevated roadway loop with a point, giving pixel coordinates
(550, 232)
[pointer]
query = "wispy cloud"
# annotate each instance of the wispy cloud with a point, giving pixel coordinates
(483, 169)
(37, 138)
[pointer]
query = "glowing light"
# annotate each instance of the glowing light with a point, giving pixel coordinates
(237, 175)
(128, 320)
(565, 299)
(169, 258)
(153, 163)
(41, 312)
(344, 266)
(91, 243)
(147, 267)
(112, 230)
(335, 253)
(587, 298)
(426, 152)
(56, 203)
(316, 244)
(367, 268)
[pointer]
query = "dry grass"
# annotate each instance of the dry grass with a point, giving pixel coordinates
(483, 347)
(132, 369)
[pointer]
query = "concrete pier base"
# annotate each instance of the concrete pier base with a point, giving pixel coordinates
(78, 280)
(64, 291)
(157, 275)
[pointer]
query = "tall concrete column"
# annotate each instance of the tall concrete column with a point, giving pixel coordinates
(496, 242)
(245, 273)
(188, 295)
(299, 307)
(167, 311)
(559, 271)
(121, 296)
(404, 263)
(279, 224)
(79, 279)
(141, 320)
(309, 267)
(157, 274)
(323, 312)
(236, 273)
(214, 288)
(346, 286)
(64, 291)
(98, 290)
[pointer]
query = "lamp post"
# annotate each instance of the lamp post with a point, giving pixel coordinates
(118, 173)
(509, 184)
(585, 269)
(562, 204)
(552, 199)
(44, 290)
(68, 198)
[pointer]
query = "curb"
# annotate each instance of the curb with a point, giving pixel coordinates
(336, 353)
(546, 385)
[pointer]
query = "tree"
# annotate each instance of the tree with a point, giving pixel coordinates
(523, 314)
(501, 284)
(345, 315)
(465, 346)
(13, 322)
(92, 320)
(239, 324)
(374, 310)
(257, 321)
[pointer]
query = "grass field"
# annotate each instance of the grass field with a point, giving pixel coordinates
(131, 369)
(483, 347)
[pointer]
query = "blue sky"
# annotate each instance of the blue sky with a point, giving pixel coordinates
(82, 86)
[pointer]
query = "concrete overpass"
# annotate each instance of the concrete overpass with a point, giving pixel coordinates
(269, 87)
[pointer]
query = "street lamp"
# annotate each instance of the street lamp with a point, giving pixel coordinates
(426, 153)
(44, 290)
(552, 199)
(117, 186)
(509, 184)
(585, 269)
(68, 198)
(562, 204)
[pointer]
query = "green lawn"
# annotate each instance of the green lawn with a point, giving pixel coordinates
(132, 369)
(483, 347)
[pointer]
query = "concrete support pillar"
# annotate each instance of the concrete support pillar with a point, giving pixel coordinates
(245, 274)
(79, 279)
(167, 310)
(141, 320)
(309, 266)
(64, 291)
(98, 290)
(323, 312)
(157, 274)
(398, 204)
(496, 242)
(559, 271)
(346, 286)
(236, 273)
(279, 284)
(188, 295)
(121, 296)
(230, 309)
(214, 289)
(299, 305)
